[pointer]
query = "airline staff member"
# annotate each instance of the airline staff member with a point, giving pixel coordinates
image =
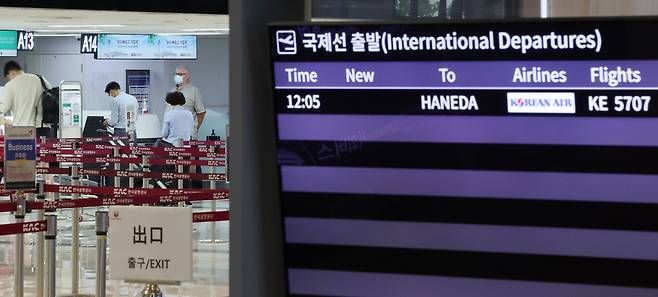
(123, 109)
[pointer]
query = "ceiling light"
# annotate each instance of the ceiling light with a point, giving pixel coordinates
(194, 33)
(56, 35)
(70, 30)
(85, 26)
(202, 30)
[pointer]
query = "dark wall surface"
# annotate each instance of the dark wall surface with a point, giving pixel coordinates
(196, 6)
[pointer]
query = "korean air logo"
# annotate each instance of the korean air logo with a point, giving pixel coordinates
(541, 102)
(286, 42)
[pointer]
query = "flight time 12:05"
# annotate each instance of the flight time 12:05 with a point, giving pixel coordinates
(308, 101)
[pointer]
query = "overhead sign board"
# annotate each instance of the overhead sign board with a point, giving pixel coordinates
(25, 41)
(88, 43)
(151, 244)
(146, 47)
(8, 43)
(20, 158)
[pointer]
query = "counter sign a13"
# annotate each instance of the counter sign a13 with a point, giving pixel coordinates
(25, 41)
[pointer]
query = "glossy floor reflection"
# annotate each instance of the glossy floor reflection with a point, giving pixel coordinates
(210, 259)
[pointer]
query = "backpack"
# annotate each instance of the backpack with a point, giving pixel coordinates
(49, 104)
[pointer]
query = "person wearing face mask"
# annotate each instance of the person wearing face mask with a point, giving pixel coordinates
(193, 99)
(123, 110)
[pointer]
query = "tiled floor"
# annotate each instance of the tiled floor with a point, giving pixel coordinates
(210, 260)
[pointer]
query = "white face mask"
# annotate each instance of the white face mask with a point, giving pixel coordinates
(178, 79)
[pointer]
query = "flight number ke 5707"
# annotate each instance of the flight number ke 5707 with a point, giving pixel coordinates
(621, 103)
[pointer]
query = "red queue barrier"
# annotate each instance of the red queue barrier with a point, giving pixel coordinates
(205, 142)
(69, 189)
(25, 227)
(7, 206)
(212, 216)
(141, 151)
(134, 174)
(40, 226)
(157, 175)
(85, 139)
(131, 160)
(110, 201)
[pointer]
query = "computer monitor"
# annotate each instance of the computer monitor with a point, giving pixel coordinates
(93, 126)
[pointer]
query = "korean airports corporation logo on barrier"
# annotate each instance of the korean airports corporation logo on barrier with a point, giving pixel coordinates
(524, 102)
(286, 42)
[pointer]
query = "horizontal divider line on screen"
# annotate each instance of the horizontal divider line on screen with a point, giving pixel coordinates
(602, 187)
(563, 102)
(471, 237)
(469, 129)
(565, 269)
(473, 210)
(512, 157)
(308, 282)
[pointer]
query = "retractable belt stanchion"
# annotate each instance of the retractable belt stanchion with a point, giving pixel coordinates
(180, 170)
(131, 166)
(75, 234)
(102, 220)
(51, 235)
(146, 168)
(117, 167)
(146, 182)
(21, 208)
(41, 197)
(213, 185)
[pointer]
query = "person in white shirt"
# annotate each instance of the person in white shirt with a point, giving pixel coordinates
(123, 110)
(177, 126)
(178, 123)
(22, 96)
(193, 100)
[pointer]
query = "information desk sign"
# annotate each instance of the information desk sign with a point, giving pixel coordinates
(151, 244)
(20, 158)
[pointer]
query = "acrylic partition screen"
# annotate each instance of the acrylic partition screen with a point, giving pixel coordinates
(507, 159)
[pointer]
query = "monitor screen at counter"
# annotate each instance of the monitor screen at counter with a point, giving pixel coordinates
(475, 159)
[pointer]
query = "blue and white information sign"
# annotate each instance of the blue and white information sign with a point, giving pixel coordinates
(146, 47)
(177, 47)
(126, 46)
(20, 158)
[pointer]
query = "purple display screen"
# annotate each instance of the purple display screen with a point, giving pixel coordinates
(475, 159)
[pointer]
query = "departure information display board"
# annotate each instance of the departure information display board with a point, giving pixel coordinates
(506, 159)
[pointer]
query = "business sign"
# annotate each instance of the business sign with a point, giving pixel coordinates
(146, 47)
(151, 244)
(88, 43)
(497, 159)
(25, 41)
(8, 43)
(20, 158)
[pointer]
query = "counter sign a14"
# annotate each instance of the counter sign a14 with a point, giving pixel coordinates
(88, 43)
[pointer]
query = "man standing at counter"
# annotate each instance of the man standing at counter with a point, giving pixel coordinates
(123, 109)
(22, 96)
(193, 100)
